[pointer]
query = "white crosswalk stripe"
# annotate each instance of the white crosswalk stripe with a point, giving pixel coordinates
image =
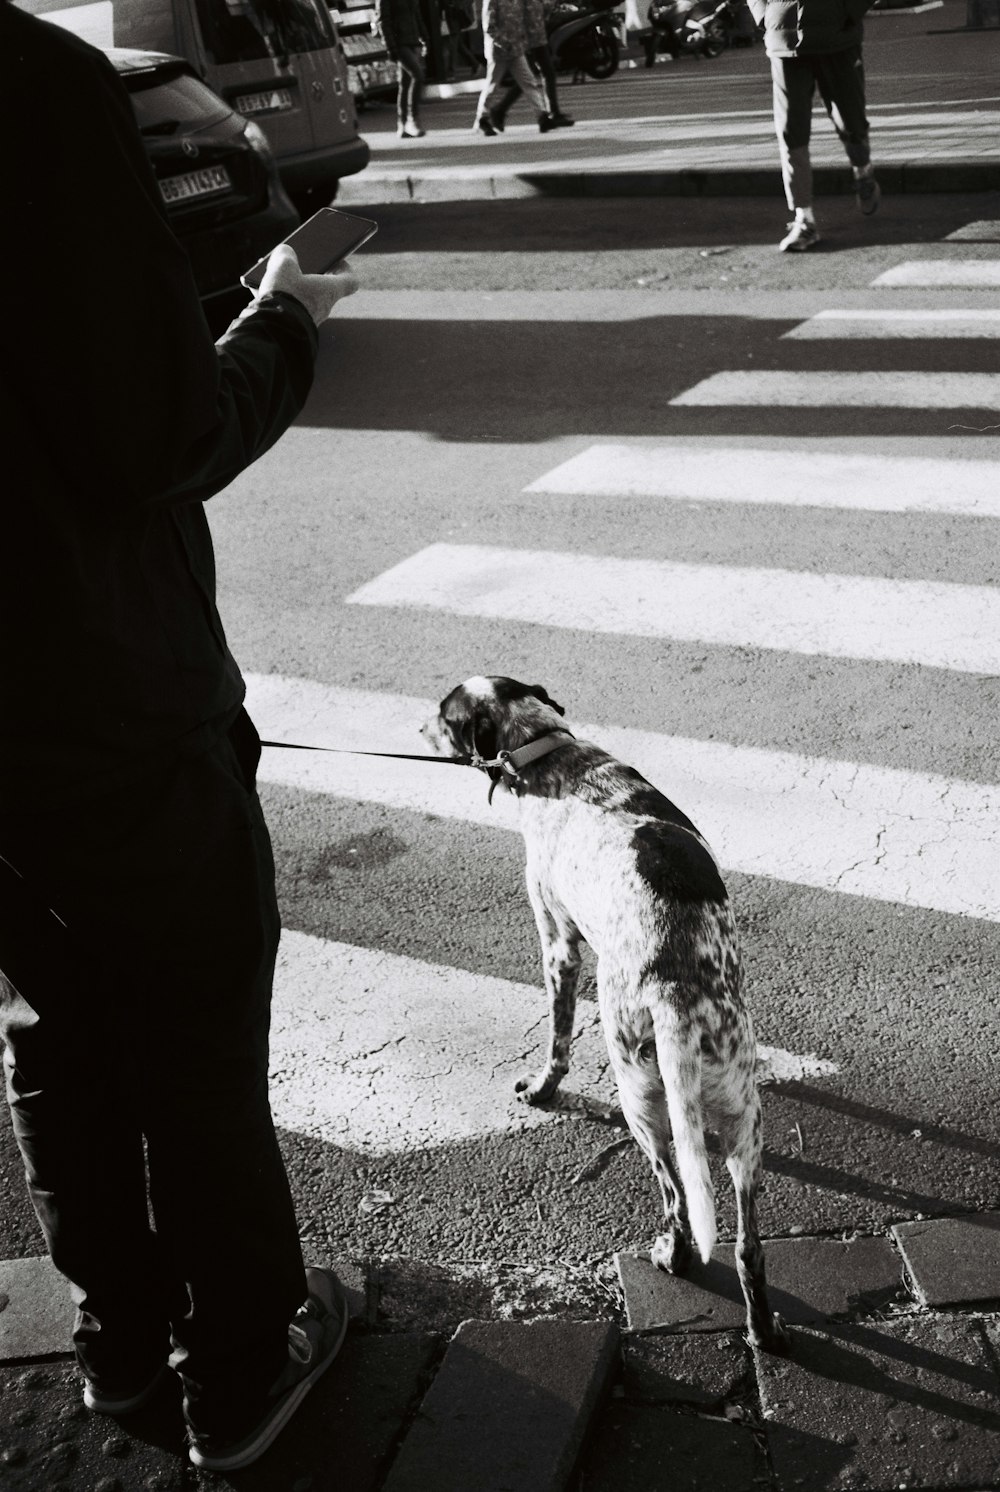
(847, 389)
(983, 231)
(941, 274)
(944, 478)
(917, 838)
(882, 325)
(938, 624)
(444, 1073)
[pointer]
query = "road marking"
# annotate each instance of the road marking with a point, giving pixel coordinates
(847, 389)
(937, 624)
(381, 1054)
(877, 325)
(715, 470)
(942, 273)
(917, 838)
(987, 231)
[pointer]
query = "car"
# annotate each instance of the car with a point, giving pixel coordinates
(216, 172)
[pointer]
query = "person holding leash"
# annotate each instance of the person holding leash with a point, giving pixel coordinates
(816, 44)
(138, 919)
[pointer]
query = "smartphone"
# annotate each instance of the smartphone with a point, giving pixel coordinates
(320, 243)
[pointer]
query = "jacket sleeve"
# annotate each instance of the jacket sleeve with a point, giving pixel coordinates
(101, 315)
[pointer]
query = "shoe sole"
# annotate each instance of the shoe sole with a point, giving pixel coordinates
(254, 1447)
(99, 1403)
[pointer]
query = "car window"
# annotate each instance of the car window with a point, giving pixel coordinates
(178, 100)
(251, 30)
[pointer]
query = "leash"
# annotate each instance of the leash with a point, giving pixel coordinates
(508, 763)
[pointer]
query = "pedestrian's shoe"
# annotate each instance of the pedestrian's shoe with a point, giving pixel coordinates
(496, 119)
(869, 193)
(802, 234)
(546, 122)
(126, 1400)
(484, 125)
(560, 121)
(314, 1339)
(410, 130)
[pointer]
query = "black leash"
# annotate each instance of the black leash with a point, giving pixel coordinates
(396, 756)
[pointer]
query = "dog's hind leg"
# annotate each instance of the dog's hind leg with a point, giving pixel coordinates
(560, 939)
(741, 1140)
(644, 1104)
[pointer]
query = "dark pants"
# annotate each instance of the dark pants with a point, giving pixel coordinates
(840, 79)
(411, 81)
(148, 1021)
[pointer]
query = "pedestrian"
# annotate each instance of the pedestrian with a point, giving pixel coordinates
(511, 29)
(541, 63)
(399, 22)
(138, 920)
(816, 44)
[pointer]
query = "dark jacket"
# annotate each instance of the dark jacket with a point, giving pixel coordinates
(118, 418)
(399, 22)
(809, 28)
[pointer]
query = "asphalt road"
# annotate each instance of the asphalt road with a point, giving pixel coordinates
(490, 347)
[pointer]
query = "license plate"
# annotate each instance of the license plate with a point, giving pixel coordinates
(195, 184)
(270, 101)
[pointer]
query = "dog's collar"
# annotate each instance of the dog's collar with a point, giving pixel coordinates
(508, 764)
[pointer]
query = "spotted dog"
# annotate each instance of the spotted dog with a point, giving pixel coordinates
(611, 861)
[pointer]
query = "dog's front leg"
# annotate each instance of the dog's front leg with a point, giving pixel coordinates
(560, 939)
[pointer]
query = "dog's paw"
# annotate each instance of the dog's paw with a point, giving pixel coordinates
(672, 1252)
(537, 1090)
(776, 1338)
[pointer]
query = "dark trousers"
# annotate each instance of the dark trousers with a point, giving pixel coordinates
(146, 1023)
(411, 81)
(840, 79)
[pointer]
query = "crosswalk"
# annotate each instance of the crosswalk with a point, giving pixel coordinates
(854, 828)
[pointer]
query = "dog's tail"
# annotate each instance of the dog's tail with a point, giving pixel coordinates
(678, 1054)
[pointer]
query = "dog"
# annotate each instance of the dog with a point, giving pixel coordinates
(612, 862)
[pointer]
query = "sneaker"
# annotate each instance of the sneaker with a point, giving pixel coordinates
(410, 131)
(314, 1339)
(869, 194)
(105, 1401)
(801, 235)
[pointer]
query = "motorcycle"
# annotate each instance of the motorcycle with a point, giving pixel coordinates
(583, 37)
(701, 27)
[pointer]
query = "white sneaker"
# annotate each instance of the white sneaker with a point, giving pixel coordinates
(802, 234)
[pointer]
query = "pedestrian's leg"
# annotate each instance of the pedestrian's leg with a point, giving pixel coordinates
(793, 84)
(411, 79)
(496, 64)
(841, 81)
(531, 86)
(541, 58)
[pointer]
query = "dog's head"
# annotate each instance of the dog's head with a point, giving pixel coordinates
(490, 715)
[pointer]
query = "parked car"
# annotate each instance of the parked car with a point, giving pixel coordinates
(280, 64)
(216, 172)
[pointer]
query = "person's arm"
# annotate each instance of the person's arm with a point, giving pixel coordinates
(101, 319)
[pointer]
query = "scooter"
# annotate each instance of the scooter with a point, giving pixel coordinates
(583, 38)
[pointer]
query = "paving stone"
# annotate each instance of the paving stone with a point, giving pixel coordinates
(36, 1312)
(643, 1448)
(508, 1408)
(953, 1260)
(687, 1369)
(809, 1279)
(884, 1405)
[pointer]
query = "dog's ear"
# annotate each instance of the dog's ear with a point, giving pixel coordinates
(543, 697)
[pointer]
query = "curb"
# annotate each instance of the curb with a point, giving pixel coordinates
(896, 179)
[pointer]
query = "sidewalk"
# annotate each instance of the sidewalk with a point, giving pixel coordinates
(704, 128)
(628, 1380)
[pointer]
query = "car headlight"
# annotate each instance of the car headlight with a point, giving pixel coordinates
(256, 138)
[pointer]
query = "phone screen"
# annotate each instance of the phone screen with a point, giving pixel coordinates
(320, 243)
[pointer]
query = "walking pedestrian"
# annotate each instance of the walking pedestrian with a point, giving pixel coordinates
(511, 29)
(399, 22)
(816, 44)
(138, 920)
(541, 63)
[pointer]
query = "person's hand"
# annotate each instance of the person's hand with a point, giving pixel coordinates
(318, 293)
